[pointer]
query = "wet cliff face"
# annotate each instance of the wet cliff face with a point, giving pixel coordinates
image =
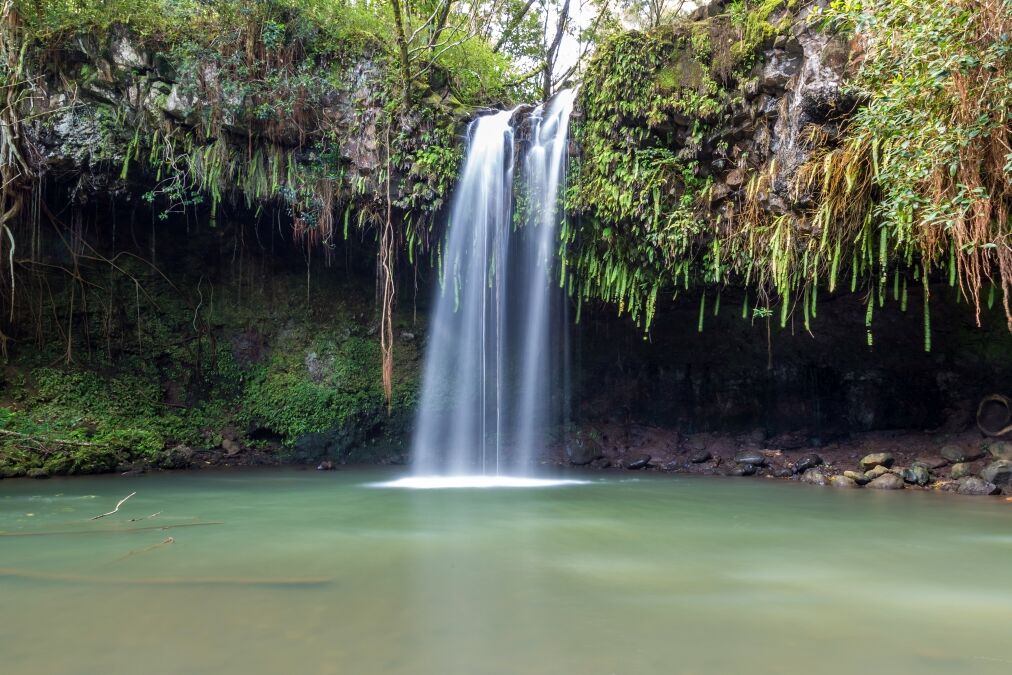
(184, 127)
(741, 374)
(786, 106)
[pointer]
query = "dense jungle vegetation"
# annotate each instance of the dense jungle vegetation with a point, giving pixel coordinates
(334, 129)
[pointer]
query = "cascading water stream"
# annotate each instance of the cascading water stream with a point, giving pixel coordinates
(493, 385)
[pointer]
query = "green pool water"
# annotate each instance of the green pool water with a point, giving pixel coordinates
(311, 572)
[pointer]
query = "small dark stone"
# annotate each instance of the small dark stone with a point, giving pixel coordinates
(887, 481)
(700, 456)
(809, 461)
(673, 465)
(638, 462)
(932, 462)
(37, 473)
(751, 457)
(971, 485)
(742, 470)
(783, 473)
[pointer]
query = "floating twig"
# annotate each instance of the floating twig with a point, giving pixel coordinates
(134, 520)
(119, 504)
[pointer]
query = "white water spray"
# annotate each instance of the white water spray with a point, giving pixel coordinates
(493, 386)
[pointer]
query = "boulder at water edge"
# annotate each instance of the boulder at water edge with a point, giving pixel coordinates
(809, 461)
(971, 485)
(961, 469)
(815, 477)
(887, 481)
(998, 472)
(842, 482)
(857, 477)
(638, 462)
(916, 474)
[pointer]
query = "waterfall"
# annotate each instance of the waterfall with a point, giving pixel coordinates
(493, 387)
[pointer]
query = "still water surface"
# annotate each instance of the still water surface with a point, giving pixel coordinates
(326, 573)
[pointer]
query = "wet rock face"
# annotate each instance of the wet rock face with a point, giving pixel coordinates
(79, 112)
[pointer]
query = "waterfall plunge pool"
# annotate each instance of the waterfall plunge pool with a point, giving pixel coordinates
(323, 573)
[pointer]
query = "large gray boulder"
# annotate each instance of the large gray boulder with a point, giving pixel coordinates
(998, 472)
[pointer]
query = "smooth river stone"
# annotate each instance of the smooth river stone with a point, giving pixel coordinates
(857, 477)
(875, 472)
(809, 461)
(752, 457)
(971, 485)
(700, 456)
(638, 462)
(877, 459)
(1000, 449)
(842, 482)
(961, 469)
(956, 454)
(916, 474)
(887, 481)
(932, 462)
(815, 477)
(998, 472)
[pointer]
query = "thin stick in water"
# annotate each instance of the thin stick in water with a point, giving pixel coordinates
(119, 504)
